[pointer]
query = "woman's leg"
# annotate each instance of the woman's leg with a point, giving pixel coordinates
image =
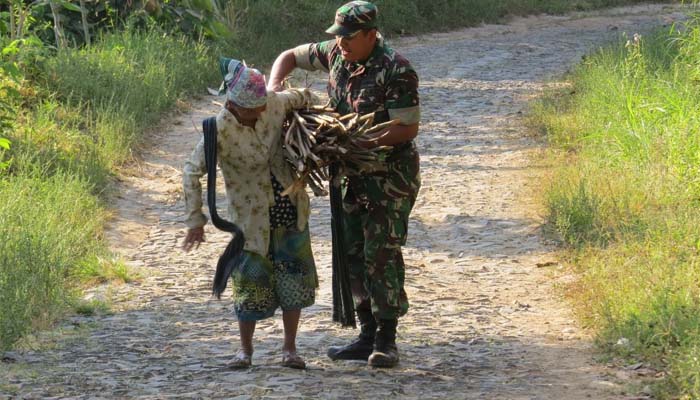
(246, 328)
(243, 358)
(253, 300)
(290, 318)
(290, 358)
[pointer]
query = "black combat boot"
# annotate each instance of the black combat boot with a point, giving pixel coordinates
(361, 348)
(385, 354)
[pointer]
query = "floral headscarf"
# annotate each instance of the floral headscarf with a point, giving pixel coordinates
(243, 86)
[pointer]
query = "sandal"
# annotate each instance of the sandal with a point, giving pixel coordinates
(240, 361)
(293, 360)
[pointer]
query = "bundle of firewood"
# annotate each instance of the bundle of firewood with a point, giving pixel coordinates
(316, 137)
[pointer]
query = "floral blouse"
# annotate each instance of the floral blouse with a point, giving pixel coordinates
(246, 157)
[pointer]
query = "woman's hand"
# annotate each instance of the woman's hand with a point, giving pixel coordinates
(194, 237)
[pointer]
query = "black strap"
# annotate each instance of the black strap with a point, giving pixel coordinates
(233, 254)
(343, 308)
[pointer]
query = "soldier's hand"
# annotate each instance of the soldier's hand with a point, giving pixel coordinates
(373, 140)
(194, 237)
(366, 143)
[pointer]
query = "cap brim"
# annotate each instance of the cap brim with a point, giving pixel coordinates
(340, 30)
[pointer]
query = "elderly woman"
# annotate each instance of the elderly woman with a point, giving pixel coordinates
(278, 268)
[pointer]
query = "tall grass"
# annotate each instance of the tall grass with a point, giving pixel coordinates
(47, 227)
(127, 81)
(625, 198)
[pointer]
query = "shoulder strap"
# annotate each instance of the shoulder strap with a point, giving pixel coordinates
(209, 128)
(232, 256)
(343, 306)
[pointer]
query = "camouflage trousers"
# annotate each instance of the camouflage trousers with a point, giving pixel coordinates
(376, 208)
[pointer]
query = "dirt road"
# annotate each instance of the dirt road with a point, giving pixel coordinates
(485, 320)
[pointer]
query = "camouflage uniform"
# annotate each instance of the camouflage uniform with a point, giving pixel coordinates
(377, 205)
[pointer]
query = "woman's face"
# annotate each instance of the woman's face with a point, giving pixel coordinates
(243, 114)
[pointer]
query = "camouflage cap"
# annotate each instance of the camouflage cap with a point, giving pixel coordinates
(352, 17)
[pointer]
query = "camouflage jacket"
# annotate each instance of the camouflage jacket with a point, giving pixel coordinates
(385, 83)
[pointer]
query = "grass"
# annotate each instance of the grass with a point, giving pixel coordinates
(126, 82)
(47, 227)
(626, 199)
(91, 307)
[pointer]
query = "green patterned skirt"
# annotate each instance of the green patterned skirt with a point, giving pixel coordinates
(286, 278)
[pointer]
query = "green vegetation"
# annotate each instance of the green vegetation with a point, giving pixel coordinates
(626, 199)
(125, 82)
(91, 307)
(46, 234)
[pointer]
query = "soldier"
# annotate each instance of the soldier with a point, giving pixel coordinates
(365, 76)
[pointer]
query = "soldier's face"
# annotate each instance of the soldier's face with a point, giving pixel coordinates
(358, 46)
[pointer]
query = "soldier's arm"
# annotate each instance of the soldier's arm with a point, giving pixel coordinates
(401, 92)
(283, 66)
(310, 56)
